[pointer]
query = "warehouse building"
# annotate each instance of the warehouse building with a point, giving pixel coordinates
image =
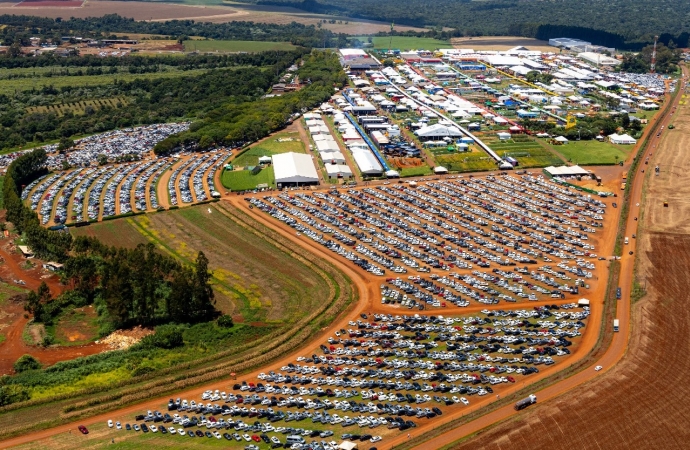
(294, 169)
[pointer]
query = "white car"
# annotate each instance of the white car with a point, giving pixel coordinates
(118, 425)
(598, 368)
(110, 424)
(154, 429)
(464, 401)
(375, 439)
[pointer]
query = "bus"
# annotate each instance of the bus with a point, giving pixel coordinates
(615, 324)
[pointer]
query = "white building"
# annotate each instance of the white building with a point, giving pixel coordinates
(294, 169)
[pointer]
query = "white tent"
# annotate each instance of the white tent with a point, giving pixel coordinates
(294, 168)
(332, 157)
(503, 136)
(438, 130)
(566, 171)
(440, 170)
(621, 139)
(338, 171)
(366, 161)
(562, 139)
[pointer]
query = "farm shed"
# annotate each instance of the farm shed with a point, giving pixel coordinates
(294, 169)
(327, 145)
(26, 251)
(622, 139)
(333, 157)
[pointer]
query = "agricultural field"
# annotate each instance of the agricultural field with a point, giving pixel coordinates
(80, 107)
(404, 42)
(528, 151)
(592, 152)
(234, 46)
(473, 161)
(10, 86)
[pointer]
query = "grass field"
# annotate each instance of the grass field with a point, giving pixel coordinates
(235, 46)
(405, 43)
(112, 232)
(466, 162)
(8, 290)
(241, 262)
(278, 143)
(593, 152)
(243, 180)
(80, 107)
(528, 152)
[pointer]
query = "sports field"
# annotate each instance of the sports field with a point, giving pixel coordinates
(234, 46)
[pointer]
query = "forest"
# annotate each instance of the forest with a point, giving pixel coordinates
(21, 28)
(635, 21)
(235, 123)
(151, 100)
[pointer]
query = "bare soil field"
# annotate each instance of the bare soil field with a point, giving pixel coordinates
(501, 43)
(159, 11)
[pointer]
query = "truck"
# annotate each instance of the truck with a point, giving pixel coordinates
(615, 324)
(525, 402)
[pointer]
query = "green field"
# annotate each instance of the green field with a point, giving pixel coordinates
(10, 86)
(467, 162)
(243, 180)
(528, 152)
(593, 152)
(405, 42)
(278, 143)
(235, 46)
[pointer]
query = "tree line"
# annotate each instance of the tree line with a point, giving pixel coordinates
(235, 123)
(21, 28)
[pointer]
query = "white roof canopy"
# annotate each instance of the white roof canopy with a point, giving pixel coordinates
(294, 168)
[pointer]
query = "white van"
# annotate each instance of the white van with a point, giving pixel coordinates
(295, 439)
(626, 240)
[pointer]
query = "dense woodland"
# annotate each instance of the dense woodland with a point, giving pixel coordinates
(152, 100)
(635, 21)
(21, 28)
(667, 59)
(235, 123)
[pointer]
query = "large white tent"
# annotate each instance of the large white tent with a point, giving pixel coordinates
(566, 171)
(438, 130)
(294, 168)
(622, 139)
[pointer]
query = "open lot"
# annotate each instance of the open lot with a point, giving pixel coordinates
(592, 152)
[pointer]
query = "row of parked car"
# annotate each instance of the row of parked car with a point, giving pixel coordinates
(119, 189)
(464, 224)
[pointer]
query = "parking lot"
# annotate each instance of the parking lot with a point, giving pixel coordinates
(384, 374)
(96, 192)
(457, 241)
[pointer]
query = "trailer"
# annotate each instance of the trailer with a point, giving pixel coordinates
(525, 402)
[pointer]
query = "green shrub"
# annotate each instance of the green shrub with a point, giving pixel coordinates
(26, 362)
(142, 370)
(166, 336)
(225, 321)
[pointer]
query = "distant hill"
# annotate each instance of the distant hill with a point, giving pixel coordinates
(629, 22)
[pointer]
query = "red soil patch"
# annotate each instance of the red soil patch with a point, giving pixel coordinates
(402, 163)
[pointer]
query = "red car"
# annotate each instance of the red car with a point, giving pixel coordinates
(256, 438)
(83, 429)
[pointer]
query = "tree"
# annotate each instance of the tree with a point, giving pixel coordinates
(35, 301)
(102, 159)
(15, 50)
(225, 321)
(203, 298)
(26, 362)
(625, 121)
(65, 143)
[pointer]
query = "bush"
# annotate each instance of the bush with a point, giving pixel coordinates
(142, 370)
(225, 321)
(26, 362)
(166, 336)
